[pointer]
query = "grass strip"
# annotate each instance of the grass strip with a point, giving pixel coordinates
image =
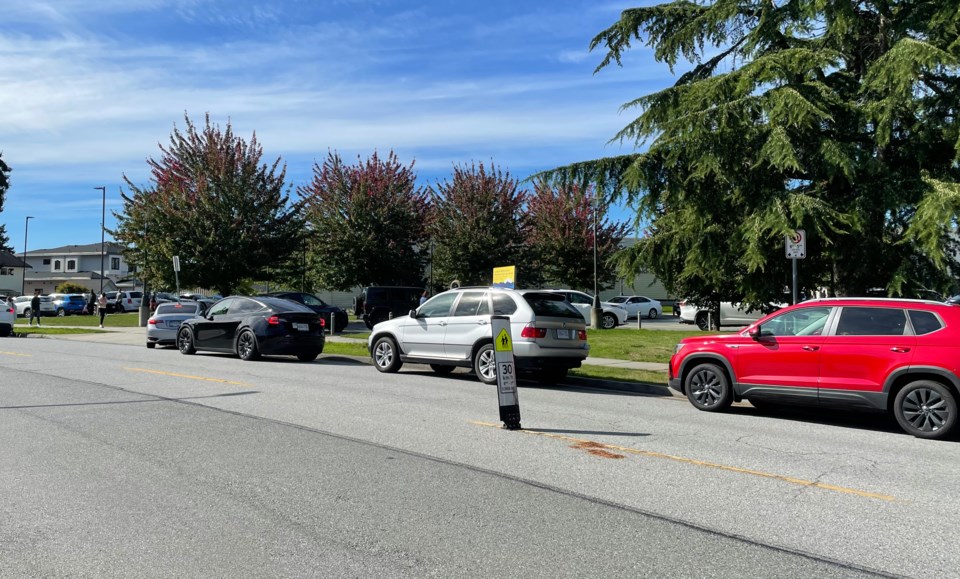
(44, 331)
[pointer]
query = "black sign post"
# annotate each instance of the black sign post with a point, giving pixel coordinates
(506, 372)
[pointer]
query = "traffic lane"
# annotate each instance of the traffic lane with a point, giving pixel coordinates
(114, 484)
(436, 416)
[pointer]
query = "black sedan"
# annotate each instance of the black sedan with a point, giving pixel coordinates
(251, 327)
(328, 311)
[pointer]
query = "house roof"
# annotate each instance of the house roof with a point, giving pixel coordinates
(88, 249)
(7, 259)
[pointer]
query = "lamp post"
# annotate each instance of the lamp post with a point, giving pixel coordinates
(103, 229)
(26, 230)
(595, 312)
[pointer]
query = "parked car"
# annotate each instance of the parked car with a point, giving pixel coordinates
(612, 314)
(69, 304)
(731, 314)
(889, 355)
(379, 303)
(8, 315)
(337, 315)
(163, 325)
(251, 327)
(22, 304)
(452, 329)
(126, 301)
(638, 306)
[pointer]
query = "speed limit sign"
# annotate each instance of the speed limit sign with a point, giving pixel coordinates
(796, 244)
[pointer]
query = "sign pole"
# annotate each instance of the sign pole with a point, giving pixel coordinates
(506, 372)
(796, 248)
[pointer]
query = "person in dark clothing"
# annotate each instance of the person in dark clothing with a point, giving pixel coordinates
(35, 308)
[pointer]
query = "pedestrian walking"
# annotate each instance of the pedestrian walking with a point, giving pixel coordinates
(102, 306)
(35, 308)
(91, 302)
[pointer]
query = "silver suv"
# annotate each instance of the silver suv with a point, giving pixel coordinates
(453, 329)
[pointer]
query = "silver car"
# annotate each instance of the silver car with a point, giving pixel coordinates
(163, 325)
(22, 303)
(452, 329)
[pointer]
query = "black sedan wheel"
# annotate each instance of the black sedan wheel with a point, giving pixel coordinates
(926, 409)
(185, 342)
(385, 355)
(708, 389)
(247, 346)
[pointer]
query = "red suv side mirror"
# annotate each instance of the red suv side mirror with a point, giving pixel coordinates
(754, 332)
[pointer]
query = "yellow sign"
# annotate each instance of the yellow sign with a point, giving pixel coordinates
(505, 276)
(503, 343)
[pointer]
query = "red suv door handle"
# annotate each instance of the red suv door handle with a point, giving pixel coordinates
(899, 349)
(811, 348)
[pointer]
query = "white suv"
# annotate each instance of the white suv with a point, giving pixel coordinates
(127, 301)
(8, 316)
(453, 329)
(612, 316)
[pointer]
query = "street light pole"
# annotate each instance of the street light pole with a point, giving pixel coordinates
(103, 229)
(595, 312)
(26, 230)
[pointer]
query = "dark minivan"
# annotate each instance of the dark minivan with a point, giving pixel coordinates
(379, 303)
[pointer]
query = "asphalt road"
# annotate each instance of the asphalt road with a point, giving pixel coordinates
(118, 461)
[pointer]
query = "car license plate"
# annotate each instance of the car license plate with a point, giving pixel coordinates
(302, 327)
(563, 334)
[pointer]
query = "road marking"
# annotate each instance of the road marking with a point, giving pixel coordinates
(703, 463)
(17, 354)
(186, 376)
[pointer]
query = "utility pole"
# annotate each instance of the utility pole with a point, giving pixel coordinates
(103, 231)
(26, 229)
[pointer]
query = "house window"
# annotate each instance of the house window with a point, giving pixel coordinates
(56, 265)
(46, 261)
(6, 271)
(71, 265)
(114, 263)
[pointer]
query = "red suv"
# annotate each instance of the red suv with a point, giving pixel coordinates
(898, 356)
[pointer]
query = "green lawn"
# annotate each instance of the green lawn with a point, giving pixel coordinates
(636, 345)
(48, 331)
(130, 320)
(633, 345)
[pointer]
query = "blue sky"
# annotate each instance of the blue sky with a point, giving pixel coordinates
(89, 88)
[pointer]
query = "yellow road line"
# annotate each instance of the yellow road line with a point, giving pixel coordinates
(747, 471)
(16, 354)
(186, 376)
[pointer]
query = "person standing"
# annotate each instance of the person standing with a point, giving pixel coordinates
(102, 306)
(35, 308)
(424, 297)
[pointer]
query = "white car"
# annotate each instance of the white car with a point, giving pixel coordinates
(453, 329)
(613, 315)
(47, 307)
(730, 314)
(638, 306)
(125, 301)
(8, 316)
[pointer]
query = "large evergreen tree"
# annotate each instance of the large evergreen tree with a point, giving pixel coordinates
(478, 223)
(369, 223)
(561, 234)
(4, 185)
(214, 205)
(838, 117)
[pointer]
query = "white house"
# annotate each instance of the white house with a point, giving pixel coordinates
(81, 264)
(11, 274)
